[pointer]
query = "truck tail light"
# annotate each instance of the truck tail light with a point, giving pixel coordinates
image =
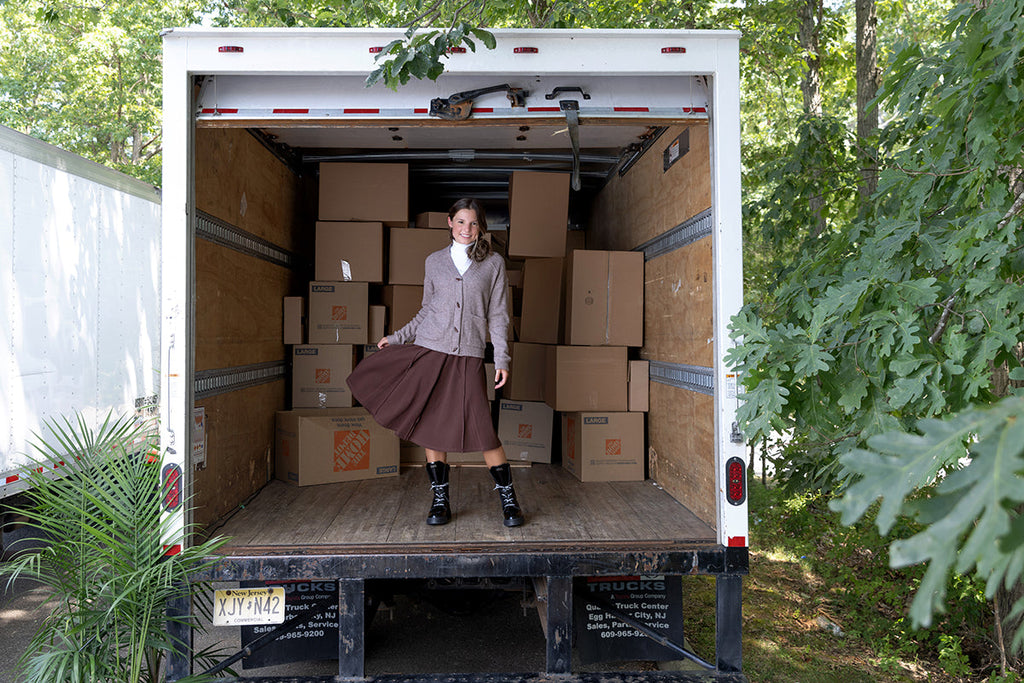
(375, 50)
(456, 50)
(673, 50)
(230, 48)
(525, 51)
(735, 480)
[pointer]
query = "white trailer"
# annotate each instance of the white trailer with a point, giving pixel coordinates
(647, 124)
(80, 271)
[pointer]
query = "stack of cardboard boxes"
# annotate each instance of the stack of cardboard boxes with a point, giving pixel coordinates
(575, 313)
(580, 311)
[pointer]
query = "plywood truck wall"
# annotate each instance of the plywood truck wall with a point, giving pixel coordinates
(678, 307)
(238, 310)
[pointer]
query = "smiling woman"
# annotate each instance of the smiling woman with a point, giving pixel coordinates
(429, 387)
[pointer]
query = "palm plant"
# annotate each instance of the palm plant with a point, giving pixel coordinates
(104, 562)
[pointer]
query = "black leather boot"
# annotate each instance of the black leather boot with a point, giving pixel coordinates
(502, 475)
(440, 510)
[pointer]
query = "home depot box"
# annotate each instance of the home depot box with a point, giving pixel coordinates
(538, 213)
(639, 386)
(604, 298)
(376, 319)
(331, 445)
(318, 375)
(437, 220)
(349, 251)
(526, 376)
(293, 319)
(409, 249)
(603, 446)
(357, 191)
(403, 303)
(524, 428)
(338, 312)
(543, 293)
(586, 378)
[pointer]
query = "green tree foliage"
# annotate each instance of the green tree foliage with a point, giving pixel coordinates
(885, 335)
(87, 77)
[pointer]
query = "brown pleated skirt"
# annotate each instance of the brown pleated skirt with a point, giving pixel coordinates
(433, 399)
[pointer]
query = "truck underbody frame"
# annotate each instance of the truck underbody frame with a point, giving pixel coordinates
(556, 567)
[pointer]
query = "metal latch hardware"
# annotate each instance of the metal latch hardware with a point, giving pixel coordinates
(575, 88)
(572, 117)
(459, 106)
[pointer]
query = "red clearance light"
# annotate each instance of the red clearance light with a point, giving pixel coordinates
(230, 48)
(673, 50)
(456, 50)
(375, 50)
(525, 50)
(735, 480)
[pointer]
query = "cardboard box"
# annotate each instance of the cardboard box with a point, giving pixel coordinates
(538, 213)
(586, 378)
(294, 319)
(360, 191)
(639, 386)
(543, 301)
(604, 298)
(603, 446)
(332, 445)
(526, 376)
(349, 252)
(575, 239)
(338, 312)
(409, 249)
(319, 372)
(524, 428)
(435, 220)
(377, 319)
(403, 303)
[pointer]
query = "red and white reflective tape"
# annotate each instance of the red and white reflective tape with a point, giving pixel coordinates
(494, 112)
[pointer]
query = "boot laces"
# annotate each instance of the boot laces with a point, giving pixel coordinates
(440, 493)
(508, 495)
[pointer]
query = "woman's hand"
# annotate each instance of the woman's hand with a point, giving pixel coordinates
(500, 377)
(382, 343)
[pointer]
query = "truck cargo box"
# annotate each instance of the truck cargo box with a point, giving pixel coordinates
(643, 125)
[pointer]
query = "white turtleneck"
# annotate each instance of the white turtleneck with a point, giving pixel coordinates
(460, 256)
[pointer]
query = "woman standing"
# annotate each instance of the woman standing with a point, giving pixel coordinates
(427, 382)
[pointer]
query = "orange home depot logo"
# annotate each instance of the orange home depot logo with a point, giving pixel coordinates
(570, 437)
(352, 450)
(525, 431)
(339, 312)
(613, 446)
(322, 376)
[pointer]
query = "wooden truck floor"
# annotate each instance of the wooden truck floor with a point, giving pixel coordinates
(391, 512)
(361, 531)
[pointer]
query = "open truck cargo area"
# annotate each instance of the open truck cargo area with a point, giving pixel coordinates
(642, 125)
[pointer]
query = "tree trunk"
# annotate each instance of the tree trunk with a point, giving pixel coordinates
(868, 77)
(811, 18)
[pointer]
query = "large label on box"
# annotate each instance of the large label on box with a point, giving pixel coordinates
(655, 602)
(316, 639)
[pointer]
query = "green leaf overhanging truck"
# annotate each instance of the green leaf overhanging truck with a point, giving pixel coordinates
(643, 125)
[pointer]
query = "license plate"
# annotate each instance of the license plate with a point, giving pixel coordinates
(248, 606)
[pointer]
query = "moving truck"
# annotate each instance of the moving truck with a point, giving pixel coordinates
(643, 125)
(79, 268)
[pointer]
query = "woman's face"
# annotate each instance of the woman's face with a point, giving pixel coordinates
(464, 226)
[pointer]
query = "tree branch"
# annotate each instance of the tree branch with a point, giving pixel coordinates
(947, 309)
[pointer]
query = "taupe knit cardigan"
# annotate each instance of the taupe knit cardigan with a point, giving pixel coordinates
(459, 310)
